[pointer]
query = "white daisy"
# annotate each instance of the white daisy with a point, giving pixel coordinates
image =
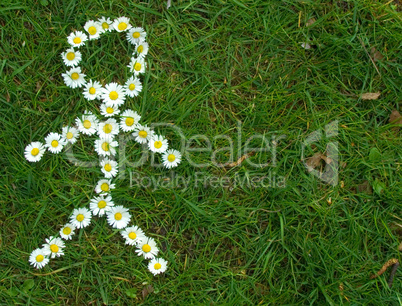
(106, 23)
(38, 259)
(133, 87)
(34, 151)
(77, 39)
(118, 217)
(141, 48)
(109, 167)
(157, 266)
(54, 142)
(70, 134)
(81, 217)
(87, 124)
(92, 90)
(135, 35)
(147, 248)
(71, 57)
(74, 78)
(137, 65)
(104, 186)
(67, 231)
(158, 144)
(129, 120)
(106, 146)
(110, 127)
(101, 204)
(133, 235)
(93, 28)
(109, 110)
(122, 24)
(53, 247)
(113, 93)
(171, 158)
(142, 133)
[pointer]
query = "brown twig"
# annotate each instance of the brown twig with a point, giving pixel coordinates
(240, 160)
(392, 262)
(391, 276)
(375, 66)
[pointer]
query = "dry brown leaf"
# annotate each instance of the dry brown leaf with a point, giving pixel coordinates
(315, 160)
(400, 247)
(240, 160)
(370, 96)
(395, 118)
(376, 55)
(147, 290)
(365, 187)
(310, 22)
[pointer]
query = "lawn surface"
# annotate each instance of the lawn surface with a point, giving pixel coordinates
(234, 68)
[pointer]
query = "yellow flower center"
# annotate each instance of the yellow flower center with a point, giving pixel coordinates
(105, 146)
(129, 121)
(92, 30)
(40, 258)
(171, 157)
(105, 187)
(77, 40)
(92, 90)
(158, 144)
(136, 34)
(131, 86)
(137, 66)
(132, 235)
(122, 26)
(66, 231)
(146, 248)
(107, 128)
(105, 25)
(69, 135)
(118, 216)
(55, 143)
(140, 48)
(87, 124)
(157, 266)
(70, 56)
(75, 76)
(143, 134)
(54, 248)
(101, 204)
(80, 217)
(108, 167)
(35, 151)
(113, 95)
(109, 110)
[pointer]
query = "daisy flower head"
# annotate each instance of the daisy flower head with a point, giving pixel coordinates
(109, 167)
(106, 146)
(67, 231)
(171, 158)
(101, 204)
(77, 39)
(34, 151)
(87, 124)
(106, 24)
(157, 266)
(141, 48)
(92, 90)
(81, 217)
(129, 120)
(133, 235)
(71, 57)
(94, 29)
(110, 127)
(158, 144)
(38, 259)
(118, 217)
(142, 133)
(109, 110)
(135, 35)
(70, 134)
(53, 247)
(122, 24)
(104, 186)
(54, 142)
(137, 65)
(147, 248)
(74, 78)
(133, 87)
(113, 93)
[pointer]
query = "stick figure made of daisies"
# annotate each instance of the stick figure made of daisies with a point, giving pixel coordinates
(106, 126)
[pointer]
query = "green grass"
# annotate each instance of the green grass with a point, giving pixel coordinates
(211, 65)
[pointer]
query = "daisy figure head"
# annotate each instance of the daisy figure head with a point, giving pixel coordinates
(133, 235)
(77, 39)
(104, 186)
(67, 231)
(71, 57)
(142, 133)
(39, 258)
(106, 146)
(110, 127)
(133, 87)
(70, 134)
(87, 123)
(106, 24)
(92, 90)
(141, 49)
(137, 65)
(54, 247)
(147, 248)
(93, 28)
(118, 217)
(157, 266)
(129, 120)
(74, 77)
(81, 217)
(171, 158)
(54, 142)
(136, 35)
(34, 151)
(113, 93)
(109, 168)
(122, 24)
(99, 205)
(158, 144)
